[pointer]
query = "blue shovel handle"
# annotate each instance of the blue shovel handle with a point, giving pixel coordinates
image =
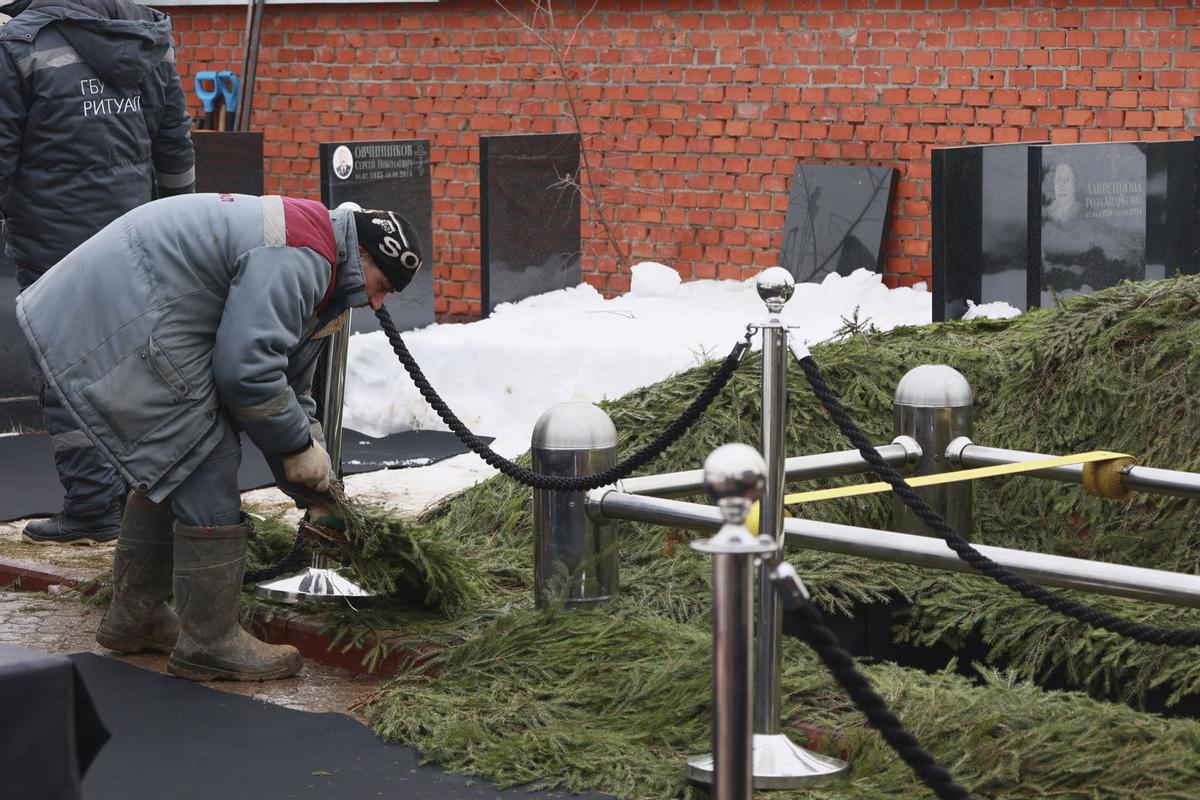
(231, 90)
(206, 90)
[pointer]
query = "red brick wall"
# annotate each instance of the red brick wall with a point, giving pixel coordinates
(696, 111)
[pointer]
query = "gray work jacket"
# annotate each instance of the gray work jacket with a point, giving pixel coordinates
(212, 309)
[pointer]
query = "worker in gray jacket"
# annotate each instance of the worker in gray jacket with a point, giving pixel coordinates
(93, 121)
(211, 325)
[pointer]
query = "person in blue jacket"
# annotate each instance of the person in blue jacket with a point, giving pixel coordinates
(194, 318)
(93, 122)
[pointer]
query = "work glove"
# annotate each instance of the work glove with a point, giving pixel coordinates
(310, 467)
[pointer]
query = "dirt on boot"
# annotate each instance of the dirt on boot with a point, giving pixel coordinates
(209, 563)
(139, 617)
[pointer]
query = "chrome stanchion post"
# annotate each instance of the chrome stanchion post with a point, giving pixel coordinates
(779, 763)
(734, 476)
(575, 560)
(321, 582)
(775, 287)
(933, 404)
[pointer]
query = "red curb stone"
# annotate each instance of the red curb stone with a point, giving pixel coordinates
(272, 624)
(33, 576)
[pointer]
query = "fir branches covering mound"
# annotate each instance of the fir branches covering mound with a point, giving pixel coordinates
(392, 556)
(618, 701)
(614, 699)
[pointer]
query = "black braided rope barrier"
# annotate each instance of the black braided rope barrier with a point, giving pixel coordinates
(841, 665)
(292, 562)
(554, 482)
(1095, 618)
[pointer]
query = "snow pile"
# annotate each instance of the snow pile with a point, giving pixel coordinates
(651, 279)
(997, 310)
(501, 373)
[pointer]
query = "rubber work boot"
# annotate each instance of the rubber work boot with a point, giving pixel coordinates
(65, 529)
(209, 563)
(138, 617)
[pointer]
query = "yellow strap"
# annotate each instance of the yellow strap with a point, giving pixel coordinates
(958, 475)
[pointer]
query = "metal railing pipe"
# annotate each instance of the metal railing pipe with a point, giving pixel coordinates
(962, 453)
(902, 452)
(1178, 483)
(1098, 577)
(1161, 481)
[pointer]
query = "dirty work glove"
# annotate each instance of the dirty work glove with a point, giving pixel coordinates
(310, 467)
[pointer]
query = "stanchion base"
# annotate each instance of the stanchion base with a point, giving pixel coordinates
(314, 585)
(778, 764)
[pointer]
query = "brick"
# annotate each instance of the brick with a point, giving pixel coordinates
(665, 85)
(1169, 119)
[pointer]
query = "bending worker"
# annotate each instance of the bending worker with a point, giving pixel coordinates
(93, 121)
(212, 325)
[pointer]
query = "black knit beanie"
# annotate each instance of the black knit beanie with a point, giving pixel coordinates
(392, 242)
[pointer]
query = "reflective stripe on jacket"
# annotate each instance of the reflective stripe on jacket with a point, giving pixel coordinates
(91, 115)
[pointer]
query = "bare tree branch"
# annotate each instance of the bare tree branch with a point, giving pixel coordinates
(559, 47)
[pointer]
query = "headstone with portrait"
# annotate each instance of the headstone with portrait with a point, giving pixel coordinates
(979, 196)
(529, 208)
(1087, 218)
(837, 220)
(1093, 209)
(393, 175)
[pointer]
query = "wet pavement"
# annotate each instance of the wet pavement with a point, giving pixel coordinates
(72, 558)
(64, 624)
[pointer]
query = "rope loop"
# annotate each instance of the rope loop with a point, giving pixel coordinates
(1055, 601)
(858, 687)
(557, 483)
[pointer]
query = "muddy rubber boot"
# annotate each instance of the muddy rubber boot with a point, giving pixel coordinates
(209, 563)
(139, 618)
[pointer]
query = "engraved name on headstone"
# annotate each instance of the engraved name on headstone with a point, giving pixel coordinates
(530, 224)
(837, 220)
(1087, 218)
(394, 175)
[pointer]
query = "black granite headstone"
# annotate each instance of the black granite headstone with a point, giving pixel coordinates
(393, 175)
(1195, 221)
(229, 161)
(979, 227)
(1172, 209)
(837, 220)
(529, 202)
(18, 405)
(1087, 218)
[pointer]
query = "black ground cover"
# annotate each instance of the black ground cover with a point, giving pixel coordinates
(31, 487)
(173, 738)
